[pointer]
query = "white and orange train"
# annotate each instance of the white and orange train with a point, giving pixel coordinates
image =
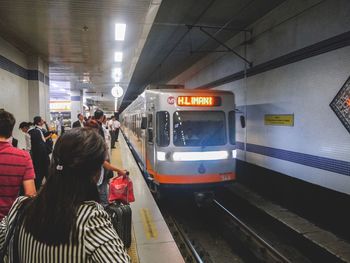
(183, 137)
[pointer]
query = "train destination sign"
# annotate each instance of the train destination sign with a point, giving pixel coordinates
(203, 101)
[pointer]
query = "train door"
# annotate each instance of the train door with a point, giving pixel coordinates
(150, 145)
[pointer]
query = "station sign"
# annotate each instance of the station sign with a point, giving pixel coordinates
(57, 106)
(199, 101)
(279, 120)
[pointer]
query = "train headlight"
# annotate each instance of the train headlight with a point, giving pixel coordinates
(161, 156)
(234, 153)
(200, 156)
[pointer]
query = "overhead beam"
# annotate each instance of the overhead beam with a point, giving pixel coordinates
(226, 46)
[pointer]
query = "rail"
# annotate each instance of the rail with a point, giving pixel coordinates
(191, 250)
(266, 252)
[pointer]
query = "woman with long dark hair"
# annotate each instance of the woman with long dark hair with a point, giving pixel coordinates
(64, 222)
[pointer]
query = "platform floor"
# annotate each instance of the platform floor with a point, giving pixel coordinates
(152, 240)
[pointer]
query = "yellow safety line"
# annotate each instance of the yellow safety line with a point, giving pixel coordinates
(116, 159)
(132, 251)
(148, 224)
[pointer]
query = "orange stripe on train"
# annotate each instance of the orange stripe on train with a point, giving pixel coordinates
(193, 178)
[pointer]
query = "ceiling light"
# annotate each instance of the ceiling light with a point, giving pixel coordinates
(117, 72)
(118, 56)
(120, 31)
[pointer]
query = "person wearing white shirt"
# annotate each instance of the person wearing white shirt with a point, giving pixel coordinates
(112, 129)
(117, 127)
(24, 127)
(107, 135)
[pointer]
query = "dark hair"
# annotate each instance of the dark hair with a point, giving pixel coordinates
(24, 124)
(7, 122)
(36, 120)
(51, 216)
(92, 123)
(98, 114)
(78, 115)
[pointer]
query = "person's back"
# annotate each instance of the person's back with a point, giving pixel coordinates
(16, 168)
(39, 151)
(37, 140)
(65, 223)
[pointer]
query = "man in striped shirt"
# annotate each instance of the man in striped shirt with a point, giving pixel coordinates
(16, 167)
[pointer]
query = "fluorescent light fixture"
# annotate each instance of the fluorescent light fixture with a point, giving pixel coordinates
(120, 31)
(234, 153)
(117, 71)
(118, 56)
(117, 74)
(161, 156)
(200, 156)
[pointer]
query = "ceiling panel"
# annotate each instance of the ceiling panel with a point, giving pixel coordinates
(167, 51)
(76, 37)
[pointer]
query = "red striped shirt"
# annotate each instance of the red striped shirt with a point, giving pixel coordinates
(15, 167)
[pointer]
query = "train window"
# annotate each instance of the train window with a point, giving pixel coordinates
(150, 128)
(163, 128)
(144, 123)
(199, 128)
(232, 127)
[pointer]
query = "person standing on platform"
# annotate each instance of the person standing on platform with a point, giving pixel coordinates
(65, 222)
(117, 127)
(79, 122)
(16, 167)
(112, 131)
(107, 135)
(40, 154)
(108, 168)
(24, 127)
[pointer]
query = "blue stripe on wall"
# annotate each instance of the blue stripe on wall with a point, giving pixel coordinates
(328, 164)
(12, 67)
(28, 74)
(75, 98)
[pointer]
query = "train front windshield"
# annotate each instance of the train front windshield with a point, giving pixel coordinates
(199, 128)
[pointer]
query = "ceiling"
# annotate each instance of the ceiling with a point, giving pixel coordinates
(76, 37)
(167, 51)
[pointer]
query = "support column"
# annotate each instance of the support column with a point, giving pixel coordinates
(38, 88)
(76, 104)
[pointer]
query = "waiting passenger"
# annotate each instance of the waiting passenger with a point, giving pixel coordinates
(79, 122)
(64, 222)
(24, 127)
(108, 168)
(16, 168)
(39, 150)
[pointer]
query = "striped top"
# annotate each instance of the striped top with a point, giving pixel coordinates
(98, 241)
(15, 167)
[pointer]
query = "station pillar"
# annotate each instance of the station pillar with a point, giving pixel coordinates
(38, 88)
(76, 104)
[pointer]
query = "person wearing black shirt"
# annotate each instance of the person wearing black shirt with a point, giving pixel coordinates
(79, 122)
(39, 151)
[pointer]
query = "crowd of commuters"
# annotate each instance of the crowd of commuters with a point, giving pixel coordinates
(65, 221)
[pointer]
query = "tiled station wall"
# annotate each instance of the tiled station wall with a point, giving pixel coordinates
(22, 88)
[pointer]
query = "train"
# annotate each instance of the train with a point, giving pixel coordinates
(182, 138)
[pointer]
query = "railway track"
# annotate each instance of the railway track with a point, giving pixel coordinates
(224, 237)
(293, 246)
(259, 247)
